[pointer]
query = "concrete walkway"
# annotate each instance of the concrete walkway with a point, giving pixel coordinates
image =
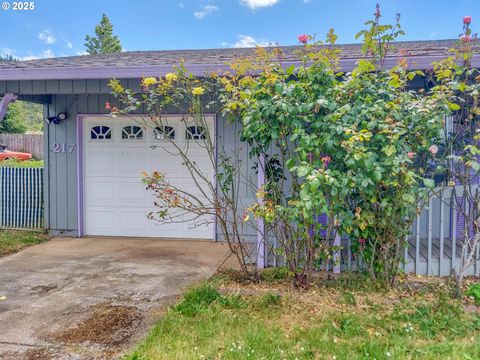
(92, 298)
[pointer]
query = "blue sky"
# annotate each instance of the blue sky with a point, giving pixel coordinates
(58, 27)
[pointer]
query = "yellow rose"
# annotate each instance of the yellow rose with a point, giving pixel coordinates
(198, 91)
(171, 77)
(146, 82)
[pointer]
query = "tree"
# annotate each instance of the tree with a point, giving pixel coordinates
(104, 42)
(14, 121)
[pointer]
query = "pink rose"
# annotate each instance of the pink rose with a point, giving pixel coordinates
(411, 155)
(107, 106)
(433, 149)
(303, 38)
(465, 39)
(467, 20)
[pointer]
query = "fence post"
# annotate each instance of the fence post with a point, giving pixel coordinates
(261, 221)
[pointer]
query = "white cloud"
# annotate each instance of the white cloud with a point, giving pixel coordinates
(48, 53)
(7, 52)
(181, 4)
(47, 37)
(43, 55)
(247, 41)
(255, 4)
(205, 10)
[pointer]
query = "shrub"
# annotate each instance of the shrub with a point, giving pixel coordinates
(474, 291)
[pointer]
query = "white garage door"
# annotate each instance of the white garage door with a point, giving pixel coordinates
(116, 152)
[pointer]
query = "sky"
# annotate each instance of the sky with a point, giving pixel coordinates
(58, 27)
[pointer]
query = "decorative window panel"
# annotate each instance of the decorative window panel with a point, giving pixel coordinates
(100, 132)
(164, 132)
(195, 133)
(132, 132)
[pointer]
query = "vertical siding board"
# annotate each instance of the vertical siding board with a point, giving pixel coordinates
(65, 86)
(453, 258)
(61, 166)
(13, 87)
(52, 170)
(3, 86)
(26, 87)
(72, 164)
(430, 230)
(442, 234)
(51, 86)
(417, 245)
(93, 86)
(38, 87)
(79, 86)
(104, 88)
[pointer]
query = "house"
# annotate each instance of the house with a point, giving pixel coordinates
(93, 162)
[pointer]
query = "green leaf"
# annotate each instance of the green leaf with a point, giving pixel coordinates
(429, 183)
(454, 107)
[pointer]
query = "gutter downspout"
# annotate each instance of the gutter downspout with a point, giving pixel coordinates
(6, 100)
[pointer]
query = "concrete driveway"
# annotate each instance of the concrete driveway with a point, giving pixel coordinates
(92, 298)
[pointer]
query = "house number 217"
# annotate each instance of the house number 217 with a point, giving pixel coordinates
(63, 148)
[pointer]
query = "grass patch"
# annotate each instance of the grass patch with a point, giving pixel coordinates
(22, 164)
(271, 321)
(13, 240)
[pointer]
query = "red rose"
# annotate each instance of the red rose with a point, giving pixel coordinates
(465, 39)
(362, 241)
(303, 38)
(467, 20)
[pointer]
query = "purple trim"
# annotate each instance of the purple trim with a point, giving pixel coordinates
(6, 100)
(121, 72)
(261, 222)
(80, 215)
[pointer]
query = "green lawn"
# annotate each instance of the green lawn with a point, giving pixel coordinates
(272, 321)
(13, 240)
(23, 164)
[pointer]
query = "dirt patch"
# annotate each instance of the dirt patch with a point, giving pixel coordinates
(107, 324)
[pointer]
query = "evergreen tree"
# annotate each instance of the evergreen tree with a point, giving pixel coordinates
(14, 121)
(104, 42)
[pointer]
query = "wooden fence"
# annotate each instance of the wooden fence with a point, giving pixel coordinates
(21, 198)
(31, 143)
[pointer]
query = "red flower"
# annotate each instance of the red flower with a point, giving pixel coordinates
(467, 20)
(107, 106)
(362, 241)
(411, 154)
(303, 38)
(465, 39)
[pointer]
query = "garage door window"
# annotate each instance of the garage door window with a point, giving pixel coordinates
(195, 133)
(132, 132)
(100, 132)
(164, 133)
